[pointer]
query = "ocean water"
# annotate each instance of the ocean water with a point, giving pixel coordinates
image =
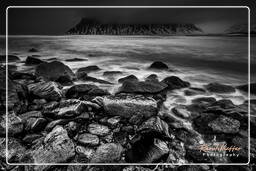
(197, 59)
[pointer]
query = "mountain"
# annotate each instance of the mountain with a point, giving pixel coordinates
(241, 29)
(90, 26)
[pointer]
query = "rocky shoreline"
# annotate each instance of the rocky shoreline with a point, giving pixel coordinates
(49, 123)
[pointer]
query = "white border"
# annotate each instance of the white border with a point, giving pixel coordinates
(87, 164)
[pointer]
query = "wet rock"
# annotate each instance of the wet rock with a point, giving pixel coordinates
(54, 123)
(107, 153)
(33, 50)
(98, 92)
(220, 88)
(131, 78)
(158, 65)
(225, 125)
(88, 139)
(155, 126)
(33, 121)
(21, 75)
(57, 148)
(15, 150)
(245, 88)
(152, 78)
(80, 90)
(11, 58)
(98, 129)
(85, 70)
(181, 111)
(142, 87)
(114, 120)
(64, 80)
(174, 82)
(204, 100)
(85, 78)
(72, 128)
(33, 61)
(47, 90)
(136, 119)
(111, 73)
(53, 70)
(126, 106)
(66, 109)
(76, 60)
(85, 152)
(192, 91)
(30, 138)
(15, 125)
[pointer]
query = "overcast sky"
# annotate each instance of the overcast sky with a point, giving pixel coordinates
(52, 21)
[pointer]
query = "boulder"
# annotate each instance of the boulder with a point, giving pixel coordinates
(98, 129)
(11, 58)
(108, 153)
(80, 90)
(181, 111)
(174, 82)
(158, 65)
(88, 139)
(142, 87)
(53, 70)
(220, 88)
(111, 73)
(16, 75)
(128, 78)
(64, 80)
(33, 50)
(33, 121)
(245, 88)
(85, 70)
(46, 90)
(204, 100)
(15, 125)
(192, 91)
(57, 147)
(152, 78)
(129, 105)
(33, 61)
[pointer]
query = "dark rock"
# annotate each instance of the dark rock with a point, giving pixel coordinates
(128, 78)
(53, 70)
(47, 90)
(181, 111)
(15, 125)
(21, 75)
(224, 125)
(64, 80)
(152, 78)
(98, 129)
(107, 153)
(85, 78)
(245, 88)
(33, 61)
(54, 123)
(142, 87)
(192, 91)
(98, 92)
(11, 58)
(220, 88)
(72, 128)
(80, 90)
(57, 147)
(33, 121)
(30, 138)
(111, 73)
(88, 139)
(33, 50)
(204, 100)
(66, 109)
(114, 120)
(76, 60)
(174, 82)
(127, 106)
(158, 65)
(84, 70)
(136, 119)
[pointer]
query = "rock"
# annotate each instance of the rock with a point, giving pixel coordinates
(204, 100)
(33, 61)
(98, 92)
(80, 90)
(114, 120)
(11, 58)
(56, 148)
(76, 60)
(192, 91)
(107, 153)
(142, 87)
(33, 121)
(98, 129)
(54, 123)
(128, 78)
(174, 82)
(21, 75)
(47, 90)
(64, 80)
(155, 126)
(245, 88)
(220, 88)
(225, 125)
(111, 73)
(15, 150)
(127, 106)
(85, 152)
(85, 78)
(152, 78)
(88, 139)
(15, 125)
(158, 65)
(30, 138)
(85, 70)
(181, 111)
(66, 109)
(53, 70)
(33, 50)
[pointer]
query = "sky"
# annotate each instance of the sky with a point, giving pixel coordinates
(56, 21)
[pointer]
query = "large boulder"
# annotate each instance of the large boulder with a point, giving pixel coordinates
(158, 65)
(46, 90)
(127, 106)
(220, 88)
(142, 87)
(53, 70)
(85, 70)
(128, 78)
(108, 153)
(33, 61)
(174, 82)
(245, 88)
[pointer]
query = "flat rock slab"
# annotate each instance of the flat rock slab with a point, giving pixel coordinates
(127, 106)
(47, 90)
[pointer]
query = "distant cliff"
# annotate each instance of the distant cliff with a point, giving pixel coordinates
(93, 27)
